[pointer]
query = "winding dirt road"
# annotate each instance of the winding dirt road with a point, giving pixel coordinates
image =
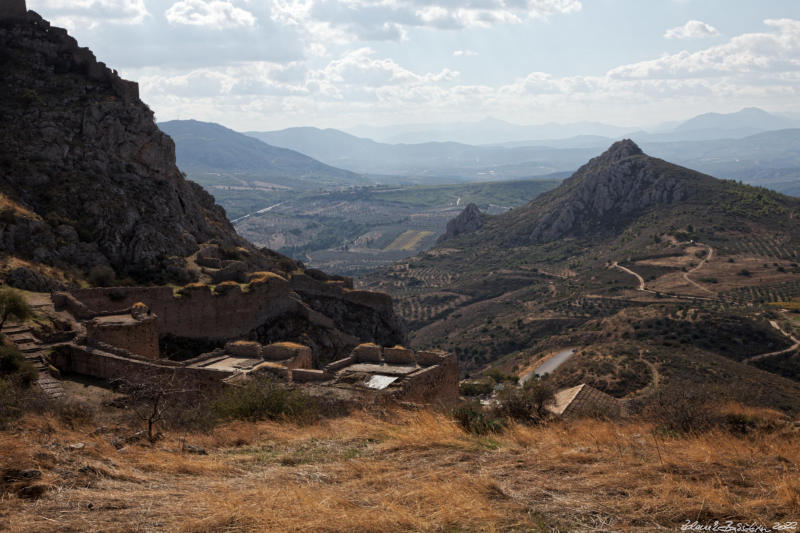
(786, 334)
(707, 258)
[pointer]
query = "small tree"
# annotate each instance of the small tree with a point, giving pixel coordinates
(151, 396)
(13, 305)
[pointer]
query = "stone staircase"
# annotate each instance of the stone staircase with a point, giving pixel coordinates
(34, 351)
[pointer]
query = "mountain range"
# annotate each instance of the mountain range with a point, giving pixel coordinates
(707, 126)
(771, 158)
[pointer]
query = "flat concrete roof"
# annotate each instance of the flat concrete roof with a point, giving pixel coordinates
(381, 368)
(120, 320)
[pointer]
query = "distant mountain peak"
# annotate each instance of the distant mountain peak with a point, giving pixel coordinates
(621, 150)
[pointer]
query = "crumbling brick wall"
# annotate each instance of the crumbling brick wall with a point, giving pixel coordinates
(437, 384)
(137, 336)
(198, 312)
(91, 362)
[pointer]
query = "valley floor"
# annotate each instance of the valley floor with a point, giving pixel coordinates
(402, 471)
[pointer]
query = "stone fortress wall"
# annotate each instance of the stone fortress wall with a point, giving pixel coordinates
(226, 312)
(124, 325)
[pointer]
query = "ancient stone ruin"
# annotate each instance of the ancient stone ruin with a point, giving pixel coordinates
(125, 332)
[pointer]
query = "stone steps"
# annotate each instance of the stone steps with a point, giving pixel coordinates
(33, 351)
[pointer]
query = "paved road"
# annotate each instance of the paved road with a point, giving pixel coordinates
(550, 365)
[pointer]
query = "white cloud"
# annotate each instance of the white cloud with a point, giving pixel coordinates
(762, 53)
(90, 13)
(209, 13)
(694, 29)
(465, 53)
(361, 85)
(376, 20)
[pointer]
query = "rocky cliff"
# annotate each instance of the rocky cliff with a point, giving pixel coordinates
(88, 182)
(89, 177)
(469, 220)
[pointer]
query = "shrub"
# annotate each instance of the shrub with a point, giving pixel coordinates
(16, 377)
(263, 398)
(744, 272)
(13, 305)
(75, 414)
(476, 388)
(679, 410)
(527, 403)
(500, 377)
(13, 366)
(473, 419)
(102, 276)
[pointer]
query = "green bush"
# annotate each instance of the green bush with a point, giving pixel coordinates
(476, 388)
(527, 403)
(102, 276)
(13, 305)
(500, 377)
(16, 377)
(13, 366)
(474, 420)
(264, 398)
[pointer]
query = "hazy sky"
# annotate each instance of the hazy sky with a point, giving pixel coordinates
(270, 64)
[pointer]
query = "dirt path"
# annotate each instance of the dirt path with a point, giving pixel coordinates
(632, 273)
(642, 287)
(786, 334)
(707, 258)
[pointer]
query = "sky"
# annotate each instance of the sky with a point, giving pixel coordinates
(271, 64)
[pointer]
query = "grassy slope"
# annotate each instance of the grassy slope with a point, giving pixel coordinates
(402, 472)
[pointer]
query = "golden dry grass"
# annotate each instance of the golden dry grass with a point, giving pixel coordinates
(403, 471)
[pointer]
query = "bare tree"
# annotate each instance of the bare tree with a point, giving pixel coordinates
(151, 395)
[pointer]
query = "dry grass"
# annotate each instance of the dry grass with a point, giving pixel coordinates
(404, 471)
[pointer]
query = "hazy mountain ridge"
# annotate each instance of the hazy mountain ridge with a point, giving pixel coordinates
(206, 146)
(771, 158)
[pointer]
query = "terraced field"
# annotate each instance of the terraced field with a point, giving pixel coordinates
(408, 240)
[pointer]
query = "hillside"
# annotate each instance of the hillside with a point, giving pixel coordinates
(87, 177)
(626, 240)
(211, 152)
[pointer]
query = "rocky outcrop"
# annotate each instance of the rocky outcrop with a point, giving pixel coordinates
(88, 181)
(605, 194)
(81, 151)
(12, 8)
(469, 220)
